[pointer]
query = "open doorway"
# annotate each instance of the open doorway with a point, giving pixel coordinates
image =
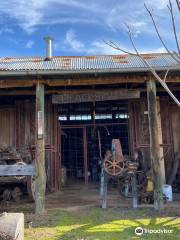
(72, 152)
(86, 129)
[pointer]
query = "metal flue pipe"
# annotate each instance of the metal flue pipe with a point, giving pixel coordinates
(48, 41)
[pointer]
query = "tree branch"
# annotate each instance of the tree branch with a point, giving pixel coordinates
(116, 46)
(170, 7)
(165, 76)
(159, 35)
(178, 4)
(163, 84)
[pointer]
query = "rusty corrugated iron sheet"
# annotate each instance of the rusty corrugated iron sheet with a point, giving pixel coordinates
(87, 62)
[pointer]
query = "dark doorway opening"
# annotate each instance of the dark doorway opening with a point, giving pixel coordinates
(72, 157)
(86, 126)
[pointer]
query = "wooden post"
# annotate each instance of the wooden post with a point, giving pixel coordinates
(85, 155)
(154, 145)
(134, 190)
(104, 191)
(161, 142)
(40, 186)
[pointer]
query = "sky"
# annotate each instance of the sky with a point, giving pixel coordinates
(81, 27)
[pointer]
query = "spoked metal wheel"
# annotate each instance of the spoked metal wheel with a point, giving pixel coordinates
(113, 165)
(31, 187)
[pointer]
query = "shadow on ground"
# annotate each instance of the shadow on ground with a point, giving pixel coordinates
(98, 224)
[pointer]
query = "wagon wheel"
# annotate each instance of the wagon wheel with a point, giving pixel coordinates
(20, 177)
(17, 194)
(113, 165)
(31, 187)
(7, 194)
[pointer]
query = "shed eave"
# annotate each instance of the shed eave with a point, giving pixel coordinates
(81, 71)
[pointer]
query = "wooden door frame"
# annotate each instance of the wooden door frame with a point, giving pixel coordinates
(85, 149)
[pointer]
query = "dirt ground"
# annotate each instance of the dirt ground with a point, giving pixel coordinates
(77, 196)
(75, 213)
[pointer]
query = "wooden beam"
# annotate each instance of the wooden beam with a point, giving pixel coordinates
(14, 92)
(154, 145)
(17, 170)
(40, 185)
(85, 155)
(95, 96)
(80, 81)
(84, 81)
(161, 141)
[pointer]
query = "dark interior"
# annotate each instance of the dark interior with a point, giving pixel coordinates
(101, 122)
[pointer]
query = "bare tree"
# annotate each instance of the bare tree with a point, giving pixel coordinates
(175, 55)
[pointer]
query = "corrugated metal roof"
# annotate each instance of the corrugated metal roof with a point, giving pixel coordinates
(123, 62)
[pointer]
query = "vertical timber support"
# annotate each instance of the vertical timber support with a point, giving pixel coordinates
(154, 145)
(134, 190)
(40, 185)
(161, 142)
(104, 191)
(85, 155)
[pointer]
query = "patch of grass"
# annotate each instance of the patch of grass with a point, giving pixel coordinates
(99, 224)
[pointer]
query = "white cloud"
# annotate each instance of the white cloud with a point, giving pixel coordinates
(99, 47)
(26, 13)
(29, 44)
(32, 13)
(111, 14)
(72, 42)
(134, 14)
(157, 4)
(6, 30)
(153, 50)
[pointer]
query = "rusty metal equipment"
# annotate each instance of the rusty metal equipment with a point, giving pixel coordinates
(116, 166)
(114, 161)
(131, 181)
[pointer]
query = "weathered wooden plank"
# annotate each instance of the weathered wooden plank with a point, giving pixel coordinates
(7, 126)
(154, 145)
(79, 81)
(161, 141)
(17, 170)
(95, 96)
(175, 119)
(57, 91)
(85, 155)
(40, 183)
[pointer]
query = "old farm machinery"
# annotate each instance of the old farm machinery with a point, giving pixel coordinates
(16, 173)
(123, 169)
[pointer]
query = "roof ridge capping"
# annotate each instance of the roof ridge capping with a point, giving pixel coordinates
(21, 58)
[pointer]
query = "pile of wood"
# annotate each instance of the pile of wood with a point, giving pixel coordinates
(9, 154)
(13, 187)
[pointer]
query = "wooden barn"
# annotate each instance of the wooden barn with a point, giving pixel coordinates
(58, 107)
